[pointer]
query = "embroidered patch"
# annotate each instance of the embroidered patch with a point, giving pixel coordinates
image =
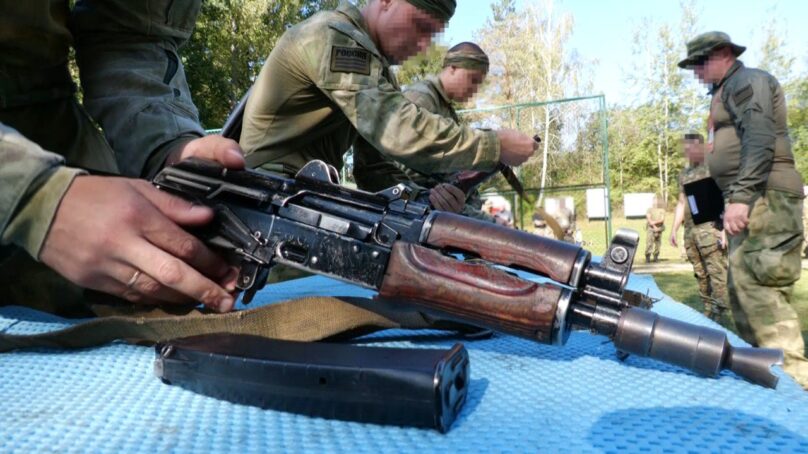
(741, 96)
(350, 60)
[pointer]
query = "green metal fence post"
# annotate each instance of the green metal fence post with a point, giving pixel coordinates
(604, 137)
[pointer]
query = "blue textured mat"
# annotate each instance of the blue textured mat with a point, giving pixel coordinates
(524, 397)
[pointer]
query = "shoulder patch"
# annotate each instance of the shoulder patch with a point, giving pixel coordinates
(350, 60)
(742, 95)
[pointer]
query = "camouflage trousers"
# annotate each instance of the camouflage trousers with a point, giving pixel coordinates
(805, 229)
(764, 264)
(709, 262)
(653, 241)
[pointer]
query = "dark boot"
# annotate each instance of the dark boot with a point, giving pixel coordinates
(647, 258)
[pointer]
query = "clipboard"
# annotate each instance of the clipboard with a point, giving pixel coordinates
(705, 199)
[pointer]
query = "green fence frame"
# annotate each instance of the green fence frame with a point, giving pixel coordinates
(604, 138)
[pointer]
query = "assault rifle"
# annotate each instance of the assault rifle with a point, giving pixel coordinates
(398, 247)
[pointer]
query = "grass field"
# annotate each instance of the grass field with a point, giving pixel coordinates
(682, 287)
(595, 238)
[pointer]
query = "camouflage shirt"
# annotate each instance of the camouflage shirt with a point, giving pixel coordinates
(656, 214)
(325, 83)
(374, 172)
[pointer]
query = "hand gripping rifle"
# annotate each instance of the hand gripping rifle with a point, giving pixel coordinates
(469, 180)
(398, 247)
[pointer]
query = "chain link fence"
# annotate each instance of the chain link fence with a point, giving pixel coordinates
(570, 168)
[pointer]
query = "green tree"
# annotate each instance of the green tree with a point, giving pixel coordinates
(230, 43)
(773, 58)
(531, 61)
(798, 123)
(422, 65)
(670, 99)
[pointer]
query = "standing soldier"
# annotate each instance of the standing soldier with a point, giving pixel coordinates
(703, 242)
(464, 69)
(749, 156)
(654, 226)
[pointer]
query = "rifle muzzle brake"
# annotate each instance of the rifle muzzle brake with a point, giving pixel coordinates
(703, 350)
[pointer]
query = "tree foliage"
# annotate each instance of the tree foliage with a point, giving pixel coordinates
(230, 43)
(422, 65)
(531, 61)
(798, 123)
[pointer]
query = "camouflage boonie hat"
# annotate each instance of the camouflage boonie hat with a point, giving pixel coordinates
(700, 47)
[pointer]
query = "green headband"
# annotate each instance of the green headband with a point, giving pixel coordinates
(473, 61)
(441, 9)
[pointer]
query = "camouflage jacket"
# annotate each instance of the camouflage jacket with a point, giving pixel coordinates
(374, 172)
(656, 215)
(326, 83)
(133, 83)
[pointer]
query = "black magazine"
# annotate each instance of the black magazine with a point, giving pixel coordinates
(401, 386)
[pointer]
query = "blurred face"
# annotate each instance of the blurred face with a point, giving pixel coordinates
(711, 70)
(405, 30)
(694, 150)
(461, 84)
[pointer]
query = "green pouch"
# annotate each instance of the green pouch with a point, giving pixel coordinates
(774, 259)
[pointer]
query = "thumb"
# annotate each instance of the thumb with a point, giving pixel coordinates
(215, 148)
(229, 156)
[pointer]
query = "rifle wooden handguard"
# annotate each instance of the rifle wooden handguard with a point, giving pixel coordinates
(561, 262)
(476, 293)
